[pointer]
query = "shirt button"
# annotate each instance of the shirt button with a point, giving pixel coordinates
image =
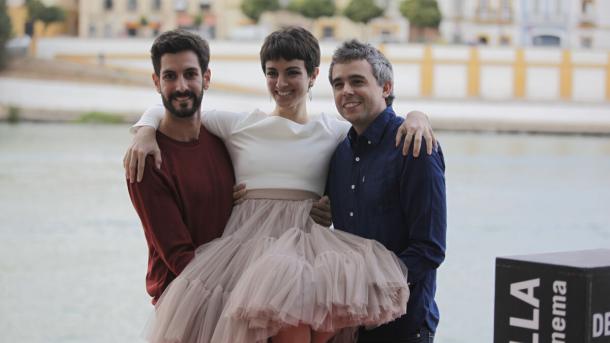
(369, 142)
(351, 214)
(357, 159)
(353, 186)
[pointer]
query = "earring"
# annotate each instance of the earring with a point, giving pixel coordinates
(309, 91)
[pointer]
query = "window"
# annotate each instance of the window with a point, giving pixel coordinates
(505, 40)
(156, 5)
(546, 40)
(536, 6)
(132, 5)
(586, 42)
(484, 10)
(506, 11)
(107, 30)
(180, 5)
(205, 5)
(92, 30)
(587, 7)
(328, 32)
(587, 16)
(458, 8)
(108, 5)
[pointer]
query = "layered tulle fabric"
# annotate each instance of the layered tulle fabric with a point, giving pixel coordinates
(274, 268)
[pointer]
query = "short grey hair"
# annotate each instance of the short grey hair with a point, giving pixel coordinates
(354, 50)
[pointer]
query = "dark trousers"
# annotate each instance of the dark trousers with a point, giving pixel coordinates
(424, 336)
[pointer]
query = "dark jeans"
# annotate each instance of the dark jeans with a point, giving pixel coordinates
(424, 336)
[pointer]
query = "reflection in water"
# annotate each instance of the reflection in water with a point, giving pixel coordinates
(73, 255)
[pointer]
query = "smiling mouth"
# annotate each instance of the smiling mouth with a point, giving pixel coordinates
(349, 105)
(284, 93)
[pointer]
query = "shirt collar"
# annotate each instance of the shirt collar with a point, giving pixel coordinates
(373, 133)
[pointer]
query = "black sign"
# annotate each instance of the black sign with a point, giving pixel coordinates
(553, 298)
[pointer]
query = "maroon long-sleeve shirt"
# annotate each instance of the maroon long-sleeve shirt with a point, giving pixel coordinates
(183, 205)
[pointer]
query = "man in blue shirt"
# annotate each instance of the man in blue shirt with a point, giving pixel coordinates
(378, 193)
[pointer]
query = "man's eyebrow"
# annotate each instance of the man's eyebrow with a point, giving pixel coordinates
(355, 76)
(349, 77)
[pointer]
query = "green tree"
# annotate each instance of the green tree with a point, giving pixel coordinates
(198, 20)
(35, 7)
(52, 14)
(46, 14)
(362, 11)
(313, 8)
(421, 13)
(254, 8)
(5, 33)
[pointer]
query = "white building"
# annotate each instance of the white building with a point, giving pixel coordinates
(564, 23)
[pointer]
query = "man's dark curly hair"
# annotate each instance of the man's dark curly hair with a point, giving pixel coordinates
(176, 41)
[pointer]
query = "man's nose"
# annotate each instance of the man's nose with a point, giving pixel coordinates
(181, 84)
(347, 89)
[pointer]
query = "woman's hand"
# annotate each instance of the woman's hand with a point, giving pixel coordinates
(144, 144)
(416, 126)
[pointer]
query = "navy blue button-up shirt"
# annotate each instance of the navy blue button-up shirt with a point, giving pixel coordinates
(378, 193)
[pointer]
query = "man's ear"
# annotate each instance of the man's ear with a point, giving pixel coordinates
(207, 76)
(387, 89)
(157, 82)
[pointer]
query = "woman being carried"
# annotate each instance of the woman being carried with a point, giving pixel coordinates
(275, 272)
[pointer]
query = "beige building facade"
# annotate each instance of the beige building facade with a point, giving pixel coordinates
(145, 18)
(562, 23)
(223, 19)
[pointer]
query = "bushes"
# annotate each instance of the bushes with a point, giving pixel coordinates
(5, 33)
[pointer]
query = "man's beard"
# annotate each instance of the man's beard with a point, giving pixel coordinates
(183, 112)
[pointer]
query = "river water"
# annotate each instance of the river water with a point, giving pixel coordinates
(73, 254)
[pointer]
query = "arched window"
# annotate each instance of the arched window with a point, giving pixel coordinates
(132, 5)
(546, 40)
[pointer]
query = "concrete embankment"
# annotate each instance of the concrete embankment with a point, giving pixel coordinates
(54, 91)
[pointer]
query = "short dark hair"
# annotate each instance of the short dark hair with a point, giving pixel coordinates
(353, 50)
(175, 41)
(291, 43)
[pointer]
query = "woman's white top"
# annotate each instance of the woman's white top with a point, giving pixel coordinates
(271, 151)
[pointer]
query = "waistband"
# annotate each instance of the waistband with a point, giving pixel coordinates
(280, 194)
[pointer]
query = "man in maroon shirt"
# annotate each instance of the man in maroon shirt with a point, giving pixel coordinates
(186, 201)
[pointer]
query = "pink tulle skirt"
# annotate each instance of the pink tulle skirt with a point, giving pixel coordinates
(274, 268)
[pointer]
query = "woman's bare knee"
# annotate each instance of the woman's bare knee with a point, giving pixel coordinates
(321, 337)
(293, 334)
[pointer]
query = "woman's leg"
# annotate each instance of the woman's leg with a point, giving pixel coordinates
(321, 337)
(296, 334)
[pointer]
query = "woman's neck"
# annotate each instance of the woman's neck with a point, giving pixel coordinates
(297, 114)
